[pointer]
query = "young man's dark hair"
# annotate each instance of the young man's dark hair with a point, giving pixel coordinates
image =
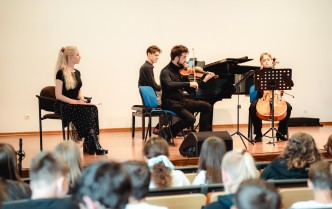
(140, 175)
(153, 49)
(320, 175)
(257, 194)
(320, 181)
(178, 50)
(103, 184)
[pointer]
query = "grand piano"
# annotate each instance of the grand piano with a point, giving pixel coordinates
(230, 72)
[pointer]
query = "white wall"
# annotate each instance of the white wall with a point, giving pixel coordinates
(112, 36)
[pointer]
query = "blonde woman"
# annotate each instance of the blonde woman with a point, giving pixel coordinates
(267, 61)
(237, 166)
(70, 152)
(75, 108)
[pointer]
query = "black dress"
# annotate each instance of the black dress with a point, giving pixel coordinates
(84, 117)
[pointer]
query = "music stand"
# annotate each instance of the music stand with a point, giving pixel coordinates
(273, 79)
(237, 85)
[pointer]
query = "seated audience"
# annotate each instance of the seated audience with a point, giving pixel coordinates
(70, 152)
(49, 184)
(14, 188)
(209, 165)
(236, 167)
(257, 194)
(320, 181)
(139, 174)
(299, 154)
(102, 185)
(328, 146)
(163, 175)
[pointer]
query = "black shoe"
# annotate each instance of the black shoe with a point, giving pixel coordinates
(91, 146)
(155, 131)
(281, 137)
(165, 134)
(258, 138)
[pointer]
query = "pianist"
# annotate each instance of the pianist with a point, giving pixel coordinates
(173, 99)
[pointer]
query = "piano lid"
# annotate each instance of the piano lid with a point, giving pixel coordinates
(234, 61)
(229, 66)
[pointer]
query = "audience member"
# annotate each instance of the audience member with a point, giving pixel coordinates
(139, 174)
(328, 146)
(299, 154)
(236, 167)
(14, 188)
(49, 184)
(320, 181)
(209, 165)
(103, 184)
(70, 152)
(257, 194)
(162, 170)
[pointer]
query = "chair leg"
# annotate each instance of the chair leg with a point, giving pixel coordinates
(40, 128)
(249, 128)
(169, 124)
(132, 125)
(40, 135)
(68, 131)
(143, 125)
(149, 125)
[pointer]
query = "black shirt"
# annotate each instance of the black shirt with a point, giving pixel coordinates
(173, 83)
(146, 76)
(71, 93)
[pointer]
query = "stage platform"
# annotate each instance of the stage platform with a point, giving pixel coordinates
(123, 147)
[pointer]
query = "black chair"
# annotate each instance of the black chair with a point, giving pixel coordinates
(141, 111)
(46, 101)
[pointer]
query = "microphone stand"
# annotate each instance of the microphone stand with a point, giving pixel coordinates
(238, 109)
(21, 156)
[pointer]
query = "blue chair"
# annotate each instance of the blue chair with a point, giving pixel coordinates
(149, 99)
(253, 95)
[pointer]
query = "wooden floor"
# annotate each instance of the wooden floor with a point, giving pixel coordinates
(123, 147)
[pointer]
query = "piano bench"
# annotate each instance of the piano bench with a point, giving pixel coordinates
(141, 111)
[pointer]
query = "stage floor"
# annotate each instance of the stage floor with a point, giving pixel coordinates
(123, 147)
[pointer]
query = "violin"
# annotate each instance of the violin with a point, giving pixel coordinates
(199, 72)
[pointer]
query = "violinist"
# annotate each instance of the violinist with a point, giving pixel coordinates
(267, 61)
(173, 84)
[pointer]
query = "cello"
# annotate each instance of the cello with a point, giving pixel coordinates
(265, 104)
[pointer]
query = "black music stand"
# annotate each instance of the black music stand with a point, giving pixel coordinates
(273, 79)
(237, 85)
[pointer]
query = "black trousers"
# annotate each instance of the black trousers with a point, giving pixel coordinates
(185, 111)
(257, 122)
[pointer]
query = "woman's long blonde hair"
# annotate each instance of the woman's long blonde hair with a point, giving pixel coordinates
(240, 166)
(69, 151)
(62, 64)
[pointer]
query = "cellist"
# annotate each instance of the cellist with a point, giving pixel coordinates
(267, 61)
